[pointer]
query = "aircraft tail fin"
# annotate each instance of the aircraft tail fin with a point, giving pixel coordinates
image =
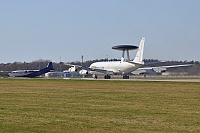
(139, 56)
(50, 66)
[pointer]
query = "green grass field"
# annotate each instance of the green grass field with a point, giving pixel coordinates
(50, 105)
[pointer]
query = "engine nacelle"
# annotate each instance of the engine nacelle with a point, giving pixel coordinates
(83, 72)
(72, 69)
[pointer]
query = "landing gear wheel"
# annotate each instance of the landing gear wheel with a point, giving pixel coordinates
(95, 76)
(107, 77)
(125, 77)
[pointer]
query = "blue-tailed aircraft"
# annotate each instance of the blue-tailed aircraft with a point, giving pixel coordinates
(32, 73)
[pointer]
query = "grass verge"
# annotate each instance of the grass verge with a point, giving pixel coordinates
(40, 105)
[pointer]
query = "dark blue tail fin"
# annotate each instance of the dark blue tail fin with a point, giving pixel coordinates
(47, 69)
(42, 71)
(50, 66)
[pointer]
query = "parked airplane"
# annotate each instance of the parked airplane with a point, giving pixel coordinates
(122, 67)
(31, 73)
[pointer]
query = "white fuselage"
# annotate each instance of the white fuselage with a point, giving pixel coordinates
(117, 67)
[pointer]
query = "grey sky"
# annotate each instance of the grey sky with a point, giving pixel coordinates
(50, 29)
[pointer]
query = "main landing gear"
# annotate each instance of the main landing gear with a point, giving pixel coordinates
(95, 76)
(125, 77)
(107, 77)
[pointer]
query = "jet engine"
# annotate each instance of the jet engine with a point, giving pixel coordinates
(83, 72)
(72, 69)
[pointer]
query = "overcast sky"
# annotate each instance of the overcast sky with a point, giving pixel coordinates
(67, 29)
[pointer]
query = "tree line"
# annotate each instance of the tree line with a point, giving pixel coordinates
(61, 66)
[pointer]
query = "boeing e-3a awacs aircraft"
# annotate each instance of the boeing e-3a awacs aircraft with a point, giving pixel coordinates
(122, 67)
(31, 73)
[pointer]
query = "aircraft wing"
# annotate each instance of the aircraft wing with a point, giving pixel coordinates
(156, 70)
(100, 71)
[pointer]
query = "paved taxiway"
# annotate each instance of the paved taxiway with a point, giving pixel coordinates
(154, 78)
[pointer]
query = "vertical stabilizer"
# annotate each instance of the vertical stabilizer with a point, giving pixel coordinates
(50, 66)
(139, 56)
